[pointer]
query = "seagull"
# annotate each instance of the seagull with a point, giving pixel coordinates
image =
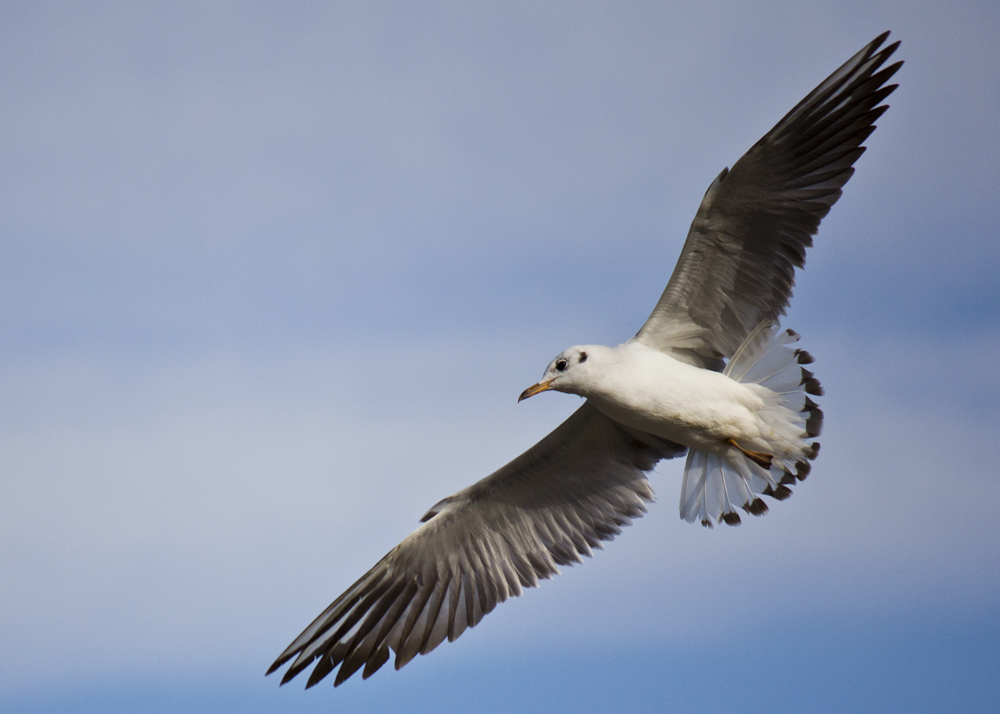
(709, 374)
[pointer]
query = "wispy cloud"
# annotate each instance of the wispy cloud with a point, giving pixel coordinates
(273, 277)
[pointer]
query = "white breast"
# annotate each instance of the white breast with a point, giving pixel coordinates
(653, 392)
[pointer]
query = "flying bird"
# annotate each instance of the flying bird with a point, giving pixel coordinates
(709, 374)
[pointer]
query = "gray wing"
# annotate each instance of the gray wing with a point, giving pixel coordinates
(577, 487)
(737, 267)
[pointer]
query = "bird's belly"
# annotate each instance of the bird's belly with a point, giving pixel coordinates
(701, 412)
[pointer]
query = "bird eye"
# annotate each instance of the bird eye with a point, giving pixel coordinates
(561, 365)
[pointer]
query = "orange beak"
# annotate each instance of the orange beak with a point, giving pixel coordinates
(535, 389)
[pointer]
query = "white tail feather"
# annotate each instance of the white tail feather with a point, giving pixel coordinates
(716, 485)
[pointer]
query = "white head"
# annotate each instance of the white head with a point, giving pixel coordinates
(571, 371)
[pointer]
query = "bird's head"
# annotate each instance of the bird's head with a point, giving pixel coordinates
(568, 372)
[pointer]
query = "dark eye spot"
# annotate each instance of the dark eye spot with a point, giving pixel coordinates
(583, 357)
(561, 365)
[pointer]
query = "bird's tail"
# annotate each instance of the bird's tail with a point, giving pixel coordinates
(716, 485)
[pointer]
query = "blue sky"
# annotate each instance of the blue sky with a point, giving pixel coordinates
(273, 276)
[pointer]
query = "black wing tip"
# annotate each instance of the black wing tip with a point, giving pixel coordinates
(281, 662)
(757, 507)
(731, 518)
(375, 663)
(883, 55)
(328, 663)
(814, 423)
(289, 676)
(875, 46)
(779, 494)
(810, 384)
(344, 673)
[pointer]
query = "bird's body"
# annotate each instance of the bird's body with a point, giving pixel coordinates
(709, 374)
(655, 393)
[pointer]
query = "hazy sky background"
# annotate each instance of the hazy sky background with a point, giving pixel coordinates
(273, 275)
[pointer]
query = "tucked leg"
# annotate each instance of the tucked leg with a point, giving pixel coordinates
(761, 459)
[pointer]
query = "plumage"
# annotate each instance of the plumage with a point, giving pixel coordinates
(709, 374)
(756, 221)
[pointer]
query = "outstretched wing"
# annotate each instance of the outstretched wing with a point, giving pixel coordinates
(737, 267)
(572, 490)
